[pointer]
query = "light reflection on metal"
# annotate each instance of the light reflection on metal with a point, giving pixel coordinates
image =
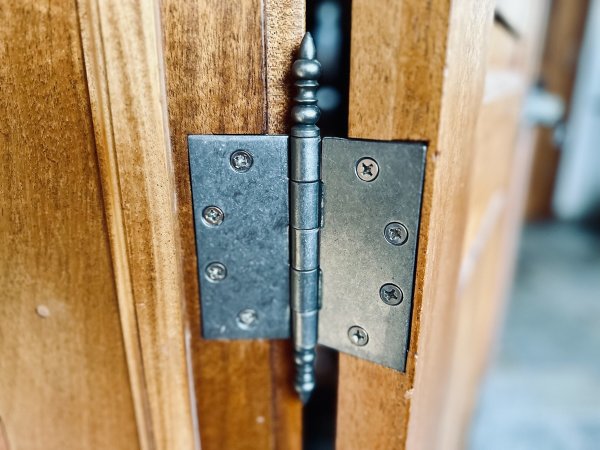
(305, 185)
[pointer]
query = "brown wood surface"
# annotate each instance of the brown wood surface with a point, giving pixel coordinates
(497, 192)
(4, 445)
(227, 73)
(123, 58)
(3, 437)
(64, 380)
(559, 65)
(504, 90)
(416, 73)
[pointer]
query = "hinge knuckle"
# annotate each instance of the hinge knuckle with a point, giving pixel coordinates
(304, 245)
(305, 159)
(305, 329)
(304, 290)
(305, 206)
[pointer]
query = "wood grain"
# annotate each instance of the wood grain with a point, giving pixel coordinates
(4, 445)
(416, 73)
(128, 105)
(284, 29)
(219, 62)
(498, 182)
(64, 382)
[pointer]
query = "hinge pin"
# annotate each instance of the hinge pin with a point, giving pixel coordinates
(305, 200)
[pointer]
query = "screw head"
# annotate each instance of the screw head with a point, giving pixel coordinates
(358, 336)
(215, 272)
(213, 216)
(241, 161)
(367, 169)
(395, 233)
(247, 319)
(391, 294)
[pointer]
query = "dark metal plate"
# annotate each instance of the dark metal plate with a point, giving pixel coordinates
(252, 301)
(357, 259)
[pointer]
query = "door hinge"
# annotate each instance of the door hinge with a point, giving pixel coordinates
(307, 237)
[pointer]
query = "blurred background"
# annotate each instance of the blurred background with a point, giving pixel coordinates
(541, 387)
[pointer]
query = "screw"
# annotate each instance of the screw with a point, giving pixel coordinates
(213, 216)
(367, 169)
(215, 272)
(395, 233)
(358, 336)
(247, 319)
(391, 294)
(241, 161)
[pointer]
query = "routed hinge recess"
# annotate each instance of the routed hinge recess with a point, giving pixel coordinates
(307, 237)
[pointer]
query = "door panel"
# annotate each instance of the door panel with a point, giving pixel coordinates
(100, 331)
(418, 71)
(64, 380)
(399, 90)
(501, 166)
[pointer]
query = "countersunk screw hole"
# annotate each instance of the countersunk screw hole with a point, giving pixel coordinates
(241, 161)
(215, 272)
(391, 294)
(247, 319)
(358, 336)
(367, 169)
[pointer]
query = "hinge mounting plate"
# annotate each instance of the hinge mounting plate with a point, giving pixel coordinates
(286, 226)
(356, 258)
(368, 246)
(247, 296)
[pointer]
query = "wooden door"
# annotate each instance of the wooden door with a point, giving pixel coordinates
(100, 343)
(455, 75)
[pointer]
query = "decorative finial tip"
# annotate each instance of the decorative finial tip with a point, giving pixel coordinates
(307, 47)
(304, 396)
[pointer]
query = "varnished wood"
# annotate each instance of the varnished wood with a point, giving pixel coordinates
(416, 73)
(505, 87)
(64, 382)
(123, 57)
(223, 75)
(4, 445)
(497, 191)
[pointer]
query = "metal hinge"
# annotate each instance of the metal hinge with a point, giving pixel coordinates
(307, 237)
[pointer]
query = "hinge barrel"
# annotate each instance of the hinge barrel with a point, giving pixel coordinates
(304, 249)
(305, 200)
(304, 205)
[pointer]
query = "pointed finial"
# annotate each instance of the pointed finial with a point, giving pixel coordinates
(305, 373)
(306, 70)
(307, 48)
